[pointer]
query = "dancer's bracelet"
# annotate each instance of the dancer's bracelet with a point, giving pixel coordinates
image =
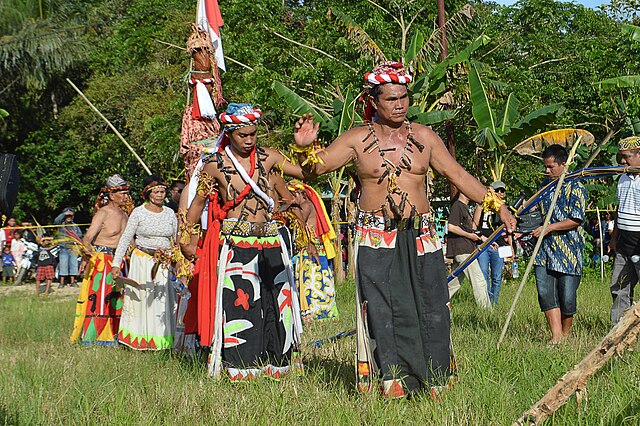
(491, 201)
(205, 184)
(310, 152)
(187, 230)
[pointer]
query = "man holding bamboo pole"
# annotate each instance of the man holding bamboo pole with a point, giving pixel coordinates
(558, 264)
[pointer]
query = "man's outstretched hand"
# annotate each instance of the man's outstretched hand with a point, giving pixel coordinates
(305, 131)
(507, 218)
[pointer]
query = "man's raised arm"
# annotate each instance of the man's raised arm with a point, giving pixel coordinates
(317, 162)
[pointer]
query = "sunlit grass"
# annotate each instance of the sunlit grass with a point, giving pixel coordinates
(47, 380)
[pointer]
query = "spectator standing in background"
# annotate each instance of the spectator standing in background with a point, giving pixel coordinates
(67, 235)
(8, 265)
(174, 195)
(461, 242)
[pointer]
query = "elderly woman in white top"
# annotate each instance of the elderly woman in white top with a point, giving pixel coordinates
(148, 312)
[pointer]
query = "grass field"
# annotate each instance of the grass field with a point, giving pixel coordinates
(45, 379)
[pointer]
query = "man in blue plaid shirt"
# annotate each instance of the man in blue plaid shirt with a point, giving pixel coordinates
(558, 264)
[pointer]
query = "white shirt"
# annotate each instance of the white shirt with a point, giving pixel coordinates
(629, 203)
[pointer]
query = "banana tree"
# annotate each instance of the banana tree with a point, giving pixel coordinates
(624, 81)
(340, 118)
(499, 133)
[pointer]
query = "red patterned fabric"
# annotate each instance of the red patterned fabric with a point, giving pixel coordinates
(45, 273)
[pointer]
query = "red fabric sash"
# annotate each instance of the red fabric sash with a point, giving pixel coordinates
(208, 262)
(322, 225)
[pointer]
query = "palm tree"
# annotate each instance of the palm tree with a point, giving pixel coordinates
(37, 42)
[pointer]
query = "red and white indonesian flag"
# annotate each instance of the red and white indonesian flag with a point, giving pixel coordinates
(210, 19)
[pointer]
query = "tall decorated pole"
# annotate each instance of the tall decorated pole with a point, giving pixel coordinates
(200, 126)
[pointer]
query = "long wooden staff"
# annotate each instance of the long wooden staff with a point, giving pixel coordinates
(135, 154)
(547, 219)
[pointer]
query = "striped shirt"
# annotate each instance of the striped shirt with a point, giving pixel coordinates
(629, 203)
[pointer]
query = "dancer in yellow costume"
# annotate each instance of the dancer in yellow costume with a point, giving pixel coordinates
(312, 268)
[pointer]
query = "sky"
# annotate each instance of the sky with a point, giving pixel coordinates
(589, 3)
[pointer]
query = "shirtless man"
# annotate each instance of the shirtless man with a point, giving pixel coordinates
(251, 283)
(403, 316)
(98, 311)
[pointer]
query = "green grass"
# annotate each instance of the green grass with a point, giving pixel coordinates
(45, 379)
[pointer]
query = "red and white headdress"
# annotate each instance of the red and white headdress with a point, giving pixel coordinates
(240, 115)
(386, 72)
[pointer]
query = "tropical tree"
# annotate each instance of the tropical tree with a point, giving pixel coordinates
(499, 133)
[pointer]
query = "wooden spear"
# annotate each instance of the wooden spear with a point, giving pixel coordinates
(135, 154)
(620, 338)
(547, 219)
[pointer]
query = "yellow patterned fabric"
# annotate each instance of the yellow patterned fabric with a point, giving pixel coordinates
(629, 143)
(316, 285)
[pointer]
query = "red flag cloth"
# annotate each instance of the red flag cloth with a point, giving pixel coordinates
(213, 15)
(210, 20)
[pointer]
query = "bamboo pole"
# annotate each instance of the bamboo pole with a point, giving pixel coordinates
(547, 219)
(601, 245)
(135, 154)
(621, 336)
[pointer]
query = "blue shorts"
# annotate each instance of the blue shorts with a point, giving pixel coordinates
(68, 263)
(556, 290)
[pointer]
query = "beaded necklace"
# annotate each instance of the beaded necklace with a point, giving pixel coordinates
(393, 171)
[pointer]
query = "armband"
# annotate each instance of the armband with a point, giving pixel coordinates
(311, 154)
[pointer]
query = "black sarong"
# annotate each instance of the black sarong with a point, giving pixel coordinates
(402, 285)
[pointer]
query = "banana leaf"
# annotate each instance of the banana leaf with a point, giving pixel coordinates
(509, 115)
(621, 82)
(532, 123)
(414, 47)
(632, 31)
(429, 118)
(488, 139)
(298, 104)
(480, 108)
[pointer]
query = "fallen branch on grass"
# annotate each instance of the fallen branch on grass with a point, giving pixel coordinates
(616, 342)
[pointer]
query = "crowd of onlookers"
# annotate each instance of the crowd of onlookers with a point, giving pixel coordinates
(600, 232)
(14, 240)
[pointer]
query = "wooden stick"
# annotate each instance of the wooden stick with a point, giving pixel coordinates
(322, 52)
(135, 154)
(575, 380)
(547, 219)
(601, 245)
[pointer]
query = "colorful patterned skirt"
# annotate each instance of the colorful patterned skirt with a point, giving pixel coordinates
(149, 309)
(257, 325)
(316, 285)
(99, 304)
(403, 316)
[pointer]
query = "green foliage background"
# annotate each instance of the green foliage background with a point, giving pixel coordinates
(544, 51)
